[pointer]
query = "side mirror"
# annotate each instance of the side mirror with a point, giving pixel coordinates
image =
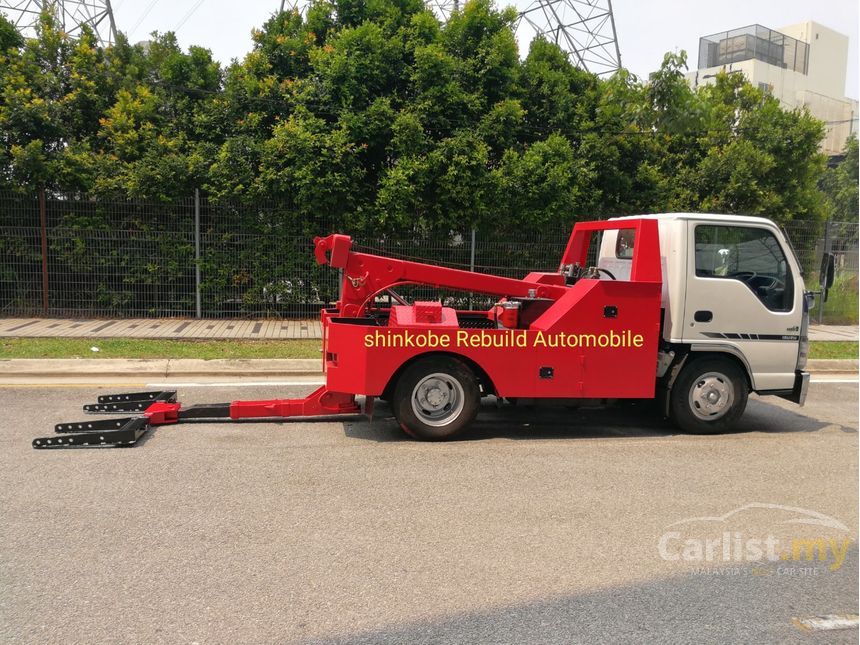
(828, 268)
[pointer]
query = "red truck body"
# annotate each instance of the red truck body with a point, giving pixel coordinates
(593, 339)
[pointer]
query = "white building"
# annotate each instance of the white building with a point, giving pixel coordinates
(801, 65)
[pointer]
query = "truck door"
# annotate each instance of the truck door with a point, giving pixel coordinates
(742, 296)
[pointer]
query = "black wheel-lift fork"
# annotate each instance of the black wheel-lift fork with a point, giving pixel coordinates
(109, 432)
(160, 408)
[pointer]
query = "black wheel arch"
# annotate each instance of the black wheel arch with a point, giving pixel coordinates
(485, 383)
(685, 355)
(697, 355)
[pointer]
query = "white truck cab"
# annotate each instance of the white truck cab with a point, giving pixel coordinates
(733, 304)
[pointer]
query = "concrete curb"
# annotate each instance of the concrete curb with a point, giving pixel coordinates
(160, 368)
(259, 367)
(832, 365)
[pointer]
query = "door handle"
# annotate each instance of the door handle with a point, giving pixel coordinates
(703, 315)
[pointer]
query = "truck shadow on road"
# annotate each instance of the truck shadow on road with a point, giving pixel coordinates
(626, 419)
(744, 604)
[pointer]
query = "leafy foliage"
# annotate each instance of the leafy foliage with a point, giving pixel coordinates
(372, 117)
(840, 185)
(372, 113)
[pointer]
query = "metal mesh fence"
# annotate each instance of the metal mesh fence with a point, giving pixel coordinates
(20, 255)
(120, 258)
(810, 241)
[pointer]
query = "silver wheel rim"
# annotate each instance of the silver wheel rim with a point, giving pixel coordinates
(711, 396)
(438, 399)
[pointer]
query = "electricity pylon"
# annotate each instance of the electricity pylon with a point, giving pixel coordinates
(71, 16)
(585, 29)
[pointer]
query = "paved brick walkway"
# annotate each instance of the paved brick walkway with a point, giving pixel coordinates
(158, 328)
(249, 329)
(833, 332)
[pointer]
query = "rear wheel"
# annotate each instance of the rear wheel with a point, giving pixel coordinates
(435, 398)
(709, 396)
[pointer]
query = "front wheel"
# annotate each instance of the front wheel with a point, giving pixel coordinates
(435, 398)
(709, 396)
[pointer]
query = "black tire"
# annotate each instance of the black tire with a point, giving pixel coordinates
(709, 396)
(436, 398)
(386, 394)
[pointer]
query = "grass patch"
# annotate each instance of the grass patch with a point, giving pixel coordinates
(156, 348)
(842, 303)
(209, 349)
(833, 349)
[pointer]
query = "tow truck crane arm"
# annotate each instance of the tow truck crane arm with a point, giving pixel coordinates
(365, 275)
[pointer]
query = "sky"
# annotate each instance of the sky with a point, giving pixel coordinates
(646, 29)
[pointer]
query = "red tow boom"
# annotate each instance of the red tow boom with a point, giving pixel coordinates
(161, 408)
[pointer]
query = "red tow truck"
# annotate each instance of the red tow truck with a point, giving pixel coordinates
(581, 332)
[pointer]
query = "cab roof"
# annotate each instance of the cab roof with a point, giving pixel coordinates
(713, 217)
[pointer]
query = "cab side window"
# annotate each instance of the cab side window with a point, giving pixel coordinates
(749, 255)
(624, 244)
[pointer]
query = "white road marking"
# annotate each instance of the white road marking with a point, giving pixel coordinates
(834, 380)
(64, 385)
(237, 384)
(828, 622)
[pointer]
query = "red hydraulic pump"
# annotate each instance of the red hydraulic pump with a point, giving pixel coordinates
(574, 333)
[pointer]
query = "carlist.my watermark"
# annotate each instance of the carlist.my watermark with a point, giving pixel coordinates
(759, 539)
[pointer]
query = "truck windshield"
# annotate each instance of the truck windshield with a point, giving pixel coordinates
(750, 255)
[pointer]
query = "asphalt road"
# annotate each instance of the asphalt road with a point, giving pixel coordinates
(539, 526)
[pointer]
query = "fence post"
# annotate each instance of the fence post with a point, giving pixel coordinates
(43, 225)
(472, 263)
(472, 257)
(828, 243)
(197, 252)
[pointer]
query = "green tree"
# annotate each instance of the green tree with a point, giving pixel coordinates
(373, 113)
(742, 153)
(9, 36)
(840, 185)
(544, 185)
